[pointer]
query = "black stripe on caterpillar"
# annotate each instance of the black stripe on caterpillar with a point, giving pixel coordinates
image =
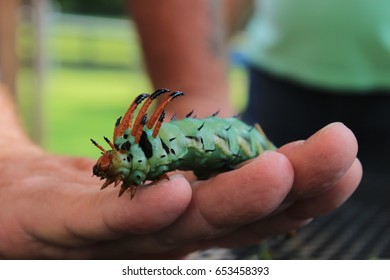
(147, 148)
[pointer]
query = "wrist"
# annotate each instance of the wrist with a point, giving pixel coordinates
(13, 146)
(13, 140)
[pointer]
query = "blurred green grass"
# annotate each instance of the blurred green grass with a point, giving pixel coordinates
(94, 71)
(87, 107)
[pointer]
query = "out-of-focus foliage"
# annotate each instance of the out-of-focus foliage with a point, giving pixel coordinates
(93, 7)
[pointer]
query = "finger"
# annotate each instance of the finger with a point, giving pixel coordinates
(82, 164)
(219, 205)
(75, 164)
(251, 192)
(320, 161)
(85, 215)
(281, 223)
(297, 215)
(330, 199)
(232, 199)
(291, 219)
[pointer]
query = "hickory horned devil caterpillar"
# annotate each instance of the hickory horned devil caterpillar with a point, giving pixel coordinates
(148, 148)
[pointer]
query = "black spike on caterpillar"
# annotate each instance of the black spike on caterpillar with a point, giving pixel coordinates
(147, 148)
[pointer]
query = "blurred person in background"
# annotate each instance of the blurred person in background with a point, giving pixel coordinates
(310, 63)
(51, 208)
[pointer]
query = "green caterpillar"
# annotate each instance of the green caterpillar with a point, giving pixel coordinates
(147, 148)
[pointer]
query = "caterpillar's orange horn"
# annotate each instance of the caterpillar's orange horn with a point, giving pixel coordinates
(154, 118)
(127, 119)
(144, 108)
(158, 125)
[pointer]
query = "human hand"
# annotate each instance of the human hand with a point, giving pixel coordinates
(52, 208)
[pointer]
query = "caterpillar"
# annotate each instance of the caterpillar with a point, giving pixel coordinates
(146, 148)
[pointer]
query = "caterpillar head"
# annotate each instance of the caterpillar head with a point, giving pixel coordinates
(108, 166)
(127, 161)
(102, 166)
(115, 166)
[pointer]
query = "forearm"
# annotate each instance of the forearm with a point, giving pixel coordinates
(11, 132)
(183, 46)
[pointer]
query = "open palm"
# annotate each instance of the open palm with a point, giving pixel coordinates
(52, 207)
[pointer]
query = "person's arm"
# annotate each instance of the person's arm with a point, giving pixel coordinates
(12, 136)
(184, 49)
(9, 123)
(50, 207)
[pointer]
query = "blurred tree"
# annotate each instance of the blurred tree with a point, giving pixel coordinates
(93, 7)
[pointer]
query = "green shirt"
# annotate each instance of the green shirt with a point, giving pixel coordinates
(340, 44)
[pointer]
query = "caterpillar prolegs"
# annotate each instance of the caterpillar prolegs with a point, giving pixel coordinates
(146, 148)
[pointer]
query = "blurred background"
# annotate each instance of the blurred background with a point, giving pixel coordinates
(75, 66)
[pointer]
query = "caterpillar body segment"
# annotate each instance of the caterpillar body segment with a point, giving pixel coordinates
(147, 148)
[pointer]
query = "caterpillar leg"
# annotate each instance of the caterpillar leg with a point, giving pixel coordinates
(133, 188)
(125, 187)
(107, 183)
(163, 176)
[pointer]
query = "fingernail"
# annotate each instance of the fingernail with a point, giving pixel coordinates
(324, 130)
(331, 125)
